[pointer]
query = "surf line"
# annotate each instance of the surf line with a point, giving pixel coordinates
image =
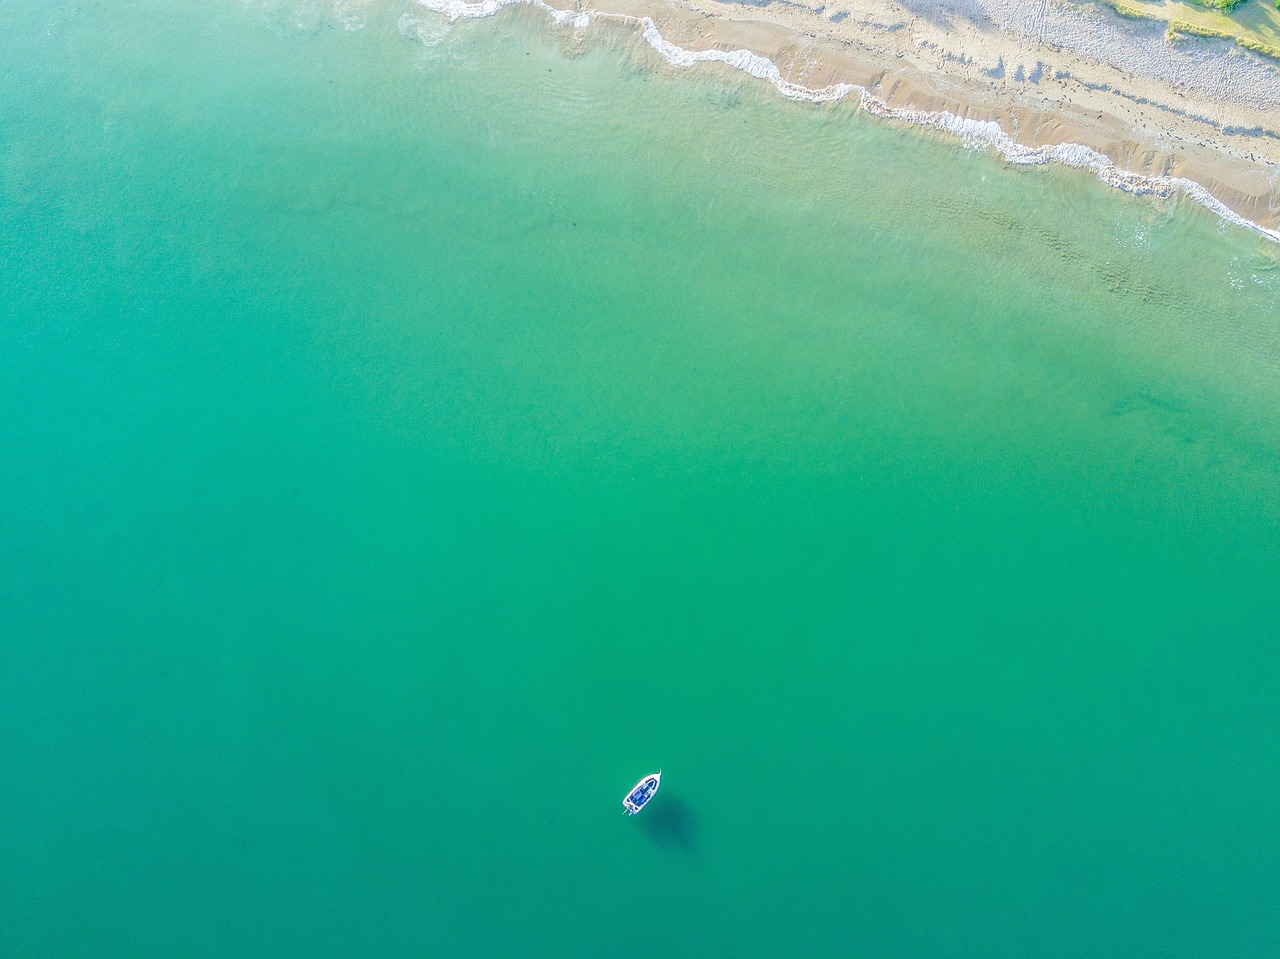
(972, 133)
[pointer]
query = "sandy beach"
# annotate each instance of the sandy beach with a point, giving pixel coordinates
(1156, 116)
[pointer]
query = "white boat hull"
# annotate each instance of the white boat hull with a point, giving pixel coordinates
(640, 794)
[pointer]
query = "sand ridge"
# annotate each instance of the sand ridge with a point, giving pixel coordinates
(1048, 72)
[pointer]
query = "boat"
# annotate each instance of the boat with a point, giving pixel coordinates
(641, 793)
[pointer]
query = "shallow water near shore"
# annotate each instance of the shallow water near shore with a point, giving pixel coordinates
(417, 433)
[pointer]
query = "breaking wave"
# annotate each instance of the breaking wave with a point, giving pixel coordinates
(977, 133)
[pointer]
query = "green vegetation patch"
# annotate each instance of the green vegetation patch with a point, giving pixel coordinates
(1257, 46)
(1253, 26)
(1181, 28)
(1133, 13)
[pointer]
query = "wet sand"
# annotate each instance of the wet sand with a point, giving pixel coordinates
(1048, 74)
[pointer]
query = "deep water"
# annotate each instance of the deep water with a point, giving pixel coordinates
(416, 433)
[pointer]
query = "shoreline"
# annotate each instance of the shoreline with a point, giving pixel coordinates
(1040, 104)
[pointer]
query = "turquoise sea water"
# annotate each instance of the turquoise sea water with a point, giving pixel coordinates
(414, 434)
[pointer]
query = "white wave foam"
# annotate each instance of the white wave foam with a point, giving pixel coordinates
(428, 34)
(752, 63)
(975, 133)
(461, 10)
(351, 13)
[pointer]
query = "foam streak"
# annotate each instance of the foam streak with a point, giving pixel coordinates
(977, 133)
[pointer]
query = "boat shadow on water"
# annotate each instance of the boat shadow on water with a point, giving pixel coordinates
(671, 823)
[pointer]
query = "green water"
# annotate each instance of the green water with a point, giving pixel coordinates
(412, 435)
